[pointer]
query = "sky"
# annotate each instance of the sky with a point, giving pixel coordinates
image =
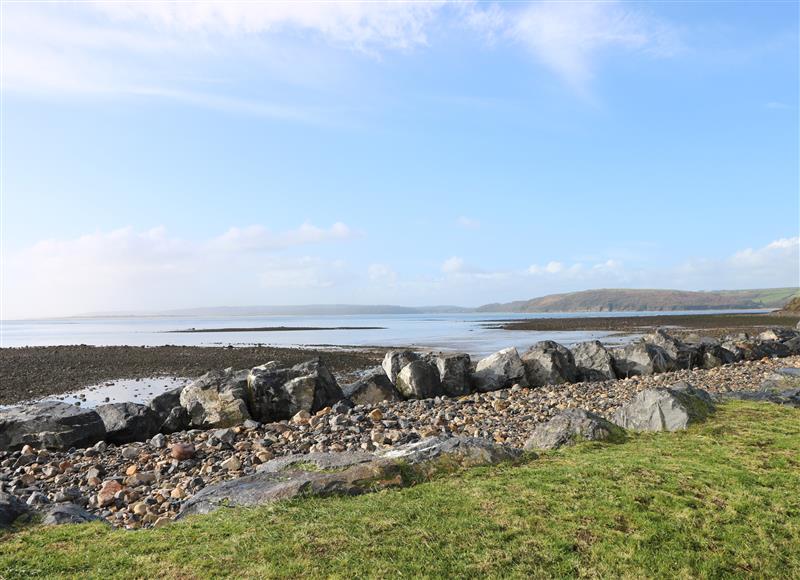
(161, 155)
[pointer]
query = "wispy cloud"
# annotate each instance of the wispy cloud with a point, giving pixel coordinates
(468, 223)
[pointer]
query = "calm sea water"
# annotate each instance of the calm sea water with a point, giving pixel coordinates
(461, 332)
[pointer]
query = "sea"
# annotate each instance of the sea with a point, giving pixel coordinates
(471, 333)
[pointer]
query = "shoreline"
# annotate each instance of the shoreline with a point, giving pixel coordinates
(272, 329)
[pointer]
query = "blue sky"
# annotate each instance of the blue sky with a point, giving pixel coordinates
(166, 155)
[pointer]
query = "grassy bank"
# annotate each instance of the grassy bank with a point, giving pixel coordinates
(719, 500)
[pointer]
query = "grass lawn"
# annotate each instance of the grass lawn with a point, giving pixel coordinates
(720, 500)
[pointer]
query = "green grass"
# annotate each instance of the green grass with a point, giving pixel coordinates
(720, 500)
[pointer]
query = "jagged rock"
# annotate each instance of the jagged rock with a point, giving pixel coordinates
(217, 399)
(665, 409)
(500, 370)
(314, 388)
(572, 426)
(127, 422)
(372, 389)
(641, 358)
(49, 424)
(419, 379)
(67, 513)
(716, 355)
(778, 334)
(685, 356)
(455, 373)
(395, 360)
(549, 363)
(325, 474)
(594, 361)
(746, 348)
(11, 508)
(172, 417)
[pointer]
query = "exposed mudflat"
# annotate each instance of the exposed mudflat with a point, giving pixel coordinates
(34, 372)
(713, 324)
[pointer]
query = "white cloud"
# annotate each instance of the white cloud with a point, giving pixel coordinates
(468, 223)
(381, 274)
(259, 238)
(453, 265)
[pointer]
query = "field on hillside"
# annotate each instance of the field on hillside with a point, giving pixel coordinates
(719, 500)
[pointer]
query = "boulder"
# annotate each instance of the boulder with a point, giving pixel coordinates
(793, 345)
(549, 363)
(217, 399)
(641, 358)
(315, 462)
(67, 513)
(127, 422)
(419, 379)
(685, 356)
(716, 355)
(746, 348)
(778, 334)
(434, 453)
(172, 417)
(500, 370)
(49, 424)
(395, 360)
(455, 373)
(573, 426)
(371, 389)
(314, 388)
(593, 361)
(665, 409)
(11, 508)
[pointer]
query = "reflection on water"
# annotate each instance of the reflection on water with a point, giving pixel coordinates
(122, 391)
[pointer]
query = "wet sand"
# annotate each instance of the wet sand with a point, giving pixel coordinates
(714, 324)
(32, 372)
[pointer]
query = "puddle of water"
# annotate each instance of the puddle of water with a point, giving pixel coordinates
(122, 391)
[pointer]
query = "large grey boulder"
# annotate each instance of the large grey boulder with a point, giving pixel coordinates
(549, 363)
(127, 422)
(11, 508)
(573, 426)
(50, 424)
(455, 373)
(665, 409)
(217, 399)
(685, 356)
(594, 361)
(433, 453)
(500, 370)
(315, 461)
(274, 393)
(67, 513)
(419, 379)
(716, 355)
(747, 348)
(371, 389)
(172, 417)
(641, 358)
(395, 360)
(778, 334)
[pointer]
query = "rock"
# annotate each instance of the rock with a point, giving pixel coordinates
(641, 358)
(172, 417)
(777, 334)
(315, 462)
(455, 373)
(226, 436)
(419, 379)
(131, 452)
(217, 399)
(67, 513)
(549, 363)
(182, 451)
(301, 417)
(716, 355)
(371, 389)
(746, 348)
(434, 453)
(37, 498)
(665, 409)
(593, 361)
(500, 370)
(573, 426)
(375, 415)
(11, 508)
(105, 496)
(395, 360)
(49, 424)
(233, 463)
(159, 441)
(127, 422)
(684, 356)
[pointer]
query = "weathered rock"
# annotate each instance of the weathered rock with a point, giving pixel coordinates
(778, 334)
(549, 363)
(716, 355)
(67, 513)
(11, 508)
(315, 462)
(182, 451)
(455, 373)
(685, 356)
(500, 370)
(395, 360)
(437, 452)
(49, 424)
(127, 422)
(110, 488)
(641, 358)
(217, 399)
(573, 426)
(371, 389)
(746, 348)
(172, 417)
(593, 361)
(665, 409)
(419, 379)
